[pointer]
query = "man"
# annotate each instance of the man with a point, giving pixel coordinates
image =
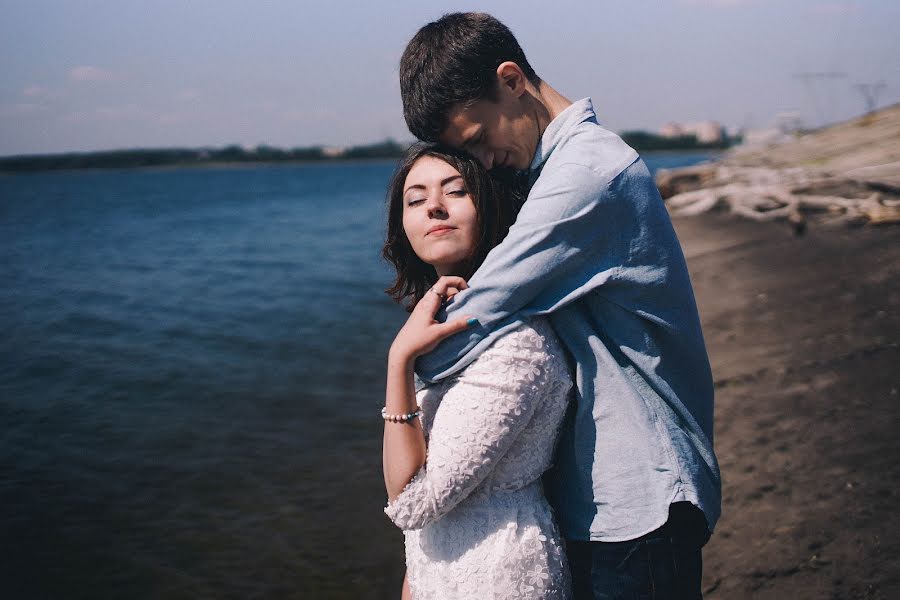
(636, 487)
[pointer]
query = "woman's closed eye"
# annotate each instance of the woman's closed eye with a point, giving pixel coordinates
(455, 193)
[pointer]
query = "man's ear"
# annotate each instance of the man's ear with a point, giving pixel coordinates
(511, 79)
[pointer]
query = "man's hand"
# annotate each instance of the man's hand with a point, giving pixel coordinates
(421, 333)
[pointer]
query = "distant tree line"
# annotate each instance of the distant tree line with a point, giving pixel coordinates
(645, 141)
(127, 159)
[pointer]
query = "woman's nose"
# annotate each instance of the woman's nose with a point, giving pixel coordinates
(436, 205)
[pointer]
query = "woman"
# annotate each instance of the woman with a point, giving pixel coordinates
(463, 458)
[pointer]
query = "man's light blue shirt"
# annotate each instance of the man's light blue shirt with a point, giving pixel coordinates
(593, 248)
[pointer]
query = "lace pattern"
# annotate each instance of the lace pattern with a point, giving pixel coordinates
(476, 522)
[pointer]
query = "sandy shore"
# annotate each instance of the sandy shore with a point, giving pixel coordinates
(804, 338)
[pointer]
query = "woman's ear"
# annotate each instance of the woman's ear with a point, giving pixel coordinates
(511, 79)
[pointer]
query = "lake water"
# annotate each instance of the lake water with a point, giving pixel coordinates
(191, 370)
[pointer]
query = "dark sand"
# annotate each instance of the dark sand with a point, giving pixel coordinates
(804, 338)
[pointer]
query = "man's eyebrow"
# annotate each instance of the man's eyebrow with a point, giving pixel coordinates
(420, 186)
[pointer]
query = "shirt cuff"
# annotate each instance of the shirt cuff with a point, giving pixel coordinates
(408, 508)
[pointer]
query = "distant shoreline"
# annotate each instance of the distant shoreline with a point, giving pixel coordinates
(254, 164)
(236, 156)
(203, 165)
(229, 156)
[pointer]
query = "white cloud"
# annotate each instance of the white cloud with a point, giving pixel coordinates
(89, 73)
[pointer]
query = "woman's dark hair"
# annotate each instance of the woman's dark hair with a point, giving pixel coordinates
(497, 196)
(454, 61)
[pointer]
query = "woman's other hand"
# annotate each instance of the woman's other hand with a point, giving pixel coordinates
(421, 333)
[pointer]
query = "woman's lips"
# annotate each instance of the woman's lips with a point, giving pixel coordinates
(439, 230)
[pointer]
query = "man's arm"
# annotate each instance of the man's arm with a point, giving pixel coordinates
(576, 233)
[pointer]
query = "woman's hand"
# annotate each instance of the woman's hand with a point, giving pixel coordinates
(421, 333)
(404, 444)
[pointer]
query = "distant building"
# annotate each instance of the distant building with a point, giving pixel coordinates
(706, 132)
(334, 151)
(671, 130)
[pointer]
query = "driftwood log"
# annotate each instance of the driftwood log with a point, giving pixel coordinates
(792, 194)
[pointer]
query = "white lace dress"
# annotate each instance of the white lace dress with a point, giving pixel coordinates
(476, 522)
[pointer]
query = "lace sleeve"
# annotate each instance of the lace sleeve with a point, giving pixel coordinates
(482, 412)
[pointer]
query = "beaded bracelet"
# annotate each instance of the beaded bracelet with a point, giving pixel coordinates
(400, 418)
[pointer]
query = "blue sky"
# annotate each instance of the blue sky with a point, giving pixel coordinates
(90, 74)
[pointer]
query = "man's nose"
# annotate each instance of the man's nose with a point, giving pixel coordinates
(485, 157)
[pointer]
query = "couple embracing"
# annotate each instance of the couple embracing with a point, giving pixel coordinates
(548, 413)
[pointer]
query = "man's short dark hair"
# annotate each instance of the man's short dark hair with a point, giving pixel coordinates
(451, 61)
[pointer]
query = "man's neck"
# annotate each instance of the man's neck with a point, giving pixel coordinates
(548, 104)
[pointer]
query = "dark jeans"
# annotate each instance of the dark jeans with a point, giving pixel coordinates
(664, 564)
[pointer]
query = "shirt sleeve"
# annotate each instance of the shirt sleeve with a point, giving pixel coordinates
(482, 412)
(578, 232)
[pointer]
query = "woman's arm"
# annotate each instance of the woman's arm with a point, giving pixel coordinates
(482, 413)
(404, 443)
(405, 594)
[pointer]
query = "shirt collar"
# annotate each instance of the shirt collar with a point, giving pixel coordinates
(558, 129)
